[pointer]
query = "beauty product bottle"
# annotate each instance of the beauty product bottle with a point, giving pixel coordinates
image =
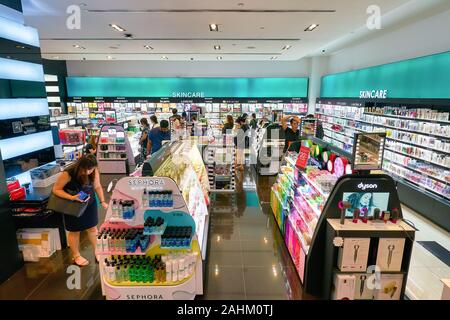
(112, 272)
(118, 274)
(175, 270)
(115, 209)
(99, 245)
(168, 270)
(120, 209)
(105, 243)
(181, 269)
(144, 198)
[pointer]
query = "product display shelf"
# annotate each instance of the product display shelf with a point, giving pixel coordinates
(442, 165)
(408, 118)
(184, 262)
(327, 271)
(393, 167)
(110, 137)
(221, 158)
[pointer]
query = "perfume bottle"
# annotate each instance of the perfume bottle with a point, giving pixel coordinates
(120, 211)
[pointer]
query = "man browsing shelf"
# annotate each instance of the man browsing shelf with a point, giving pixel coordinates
(290, 134)
(157, 135)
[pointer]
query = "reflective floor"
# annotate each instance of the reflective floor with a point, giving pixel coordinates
(246, 258)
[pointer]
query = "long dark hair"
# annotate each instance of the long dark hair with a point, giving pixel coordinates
(230, 119)
(86, 162)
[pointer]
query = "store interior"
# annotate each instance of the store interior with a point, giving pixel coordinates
(301, 150)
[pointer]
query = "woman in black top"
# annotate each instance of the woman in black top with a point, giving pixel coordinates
(82, 176)
(228, 126)
(144, 141)
(290, 134)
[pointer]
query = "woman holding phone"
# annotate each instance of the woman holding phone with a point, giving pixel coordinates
(82, 178)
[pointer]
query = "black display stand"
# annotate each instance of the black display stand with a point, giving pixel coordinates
(10, 256)
(321, 261)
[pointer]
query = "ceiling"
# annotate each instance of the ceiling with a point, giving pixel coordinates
(249, 30)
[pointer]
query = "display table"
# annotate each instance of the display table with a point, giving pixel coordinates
(31, 212)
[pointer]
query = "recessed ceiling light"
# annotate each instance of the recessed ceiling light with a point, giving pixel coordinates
(251, 47)
(262, 28)
(216, 47)
(312, 27)
(192, 59)
(128, 36)
(214, 27)
(164, 58)
(114, 47)
(78, 46)
(55, 57)
(219, 58)
(117, 27)
(286, 47)
(110, 58)
(273, 58)
(240, 4)
(148, 47)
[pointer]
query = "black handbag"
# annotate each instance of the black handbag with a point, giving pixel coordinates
(69, 207)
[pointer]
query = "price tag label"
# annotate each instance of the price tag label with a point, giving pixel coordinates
(303, 157)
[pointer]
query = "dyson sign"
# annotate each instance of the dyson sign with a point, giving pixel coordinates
(364, 186)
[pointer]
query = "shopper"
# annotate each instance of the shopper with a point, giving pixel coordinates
(90, 149)
(290, 134)
(253, 122)
(229, 125)
(175, 120)
(153, 122)
(195, 131)
(143, 140)
(157, 135)
(241, 141)
(319, 127)
(82, 176)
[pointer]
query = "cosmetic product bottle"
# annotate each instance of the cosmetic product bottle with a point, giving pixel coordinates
(144, 198)
(118, 274)
(105, 243)
(168, 270)
(112, 272)
(181, 269)
(115, 209)
(120, 209)
(99, 245)
(395, 215)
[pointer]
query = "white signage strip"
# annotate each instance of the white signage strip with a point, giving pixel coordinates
(19, 70)
(15, 31)
(22, 108)
(14, 147)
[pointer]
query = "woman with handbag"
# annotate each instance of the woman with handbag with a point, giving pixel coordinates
(79, 183)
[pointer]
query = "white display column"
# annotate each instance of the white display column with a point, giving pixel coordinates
(318, 68)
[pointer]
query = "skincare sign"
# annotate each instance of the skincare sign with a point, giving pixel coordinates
(373, 94)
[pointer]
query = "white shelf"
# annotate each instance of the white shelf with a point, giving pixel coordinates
(407, 118)
(418, 171)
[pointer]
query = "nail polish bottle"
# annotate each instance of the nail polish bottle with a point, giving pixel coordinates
(118, 274)
(112, 272)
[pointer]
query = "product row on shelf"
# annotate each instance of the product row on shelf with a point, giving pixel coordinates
(114, 152)
(417, 140)
(336, 231)
(148, 244)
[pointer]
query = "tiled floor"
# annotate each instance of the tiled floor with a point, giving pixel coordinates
(426, 270)
(247, 258)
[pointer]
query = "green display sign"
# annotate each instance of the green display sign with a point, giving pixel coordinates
(188, 87)
(421, 78)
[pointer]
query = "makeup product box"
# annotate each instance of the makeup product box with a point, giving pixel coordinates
(353, 254)
(390, 287)
(390, 254)
(343, 287)
(364, 286)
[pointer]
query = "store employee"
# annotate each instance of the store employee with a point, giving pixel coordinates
(290, 134)
(157, 135)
